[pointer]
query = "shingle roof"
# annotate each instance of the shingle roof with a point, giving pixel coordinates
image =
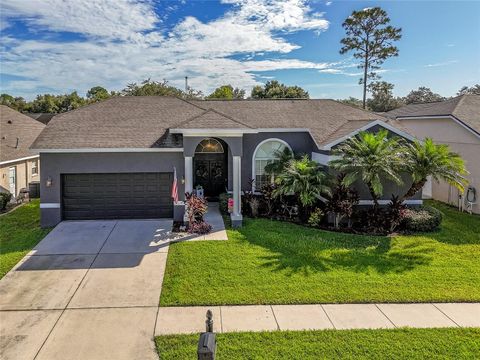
(322, 117)
(17, 132)
(466, 108)
(143, 121)
(212, 119)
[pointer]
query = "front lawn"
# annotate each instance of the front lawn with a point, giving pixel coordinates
(19, 232)
(332, 344)
(270, 262)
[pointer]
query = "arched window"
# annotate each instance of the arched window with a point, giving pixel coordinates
(265, 153)
(210, 145)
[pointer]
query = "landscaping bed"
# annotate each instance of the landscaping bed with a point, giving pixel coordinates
(20, 231)
(331, 344)
(273, 262)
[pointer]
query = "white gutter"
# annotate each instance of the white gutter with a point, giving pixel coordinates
(109, 150)
(18, 160)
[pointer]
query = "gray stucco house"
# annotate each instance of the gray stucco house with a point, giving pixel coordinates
(115, 159)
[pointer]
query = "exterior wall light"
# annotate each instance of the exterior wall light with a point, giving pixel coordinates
(49, 182)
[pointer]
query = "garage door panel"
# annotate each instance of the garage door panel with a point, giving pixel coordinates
(117, 196)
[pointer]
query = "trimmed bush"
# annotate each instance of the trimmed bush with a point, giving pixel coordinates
(315, 217)
(4, 199)
(424, 219)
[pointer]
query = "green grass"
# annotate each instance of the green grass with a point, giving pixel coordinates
(270, 262)
(19, 232)
(332, 344)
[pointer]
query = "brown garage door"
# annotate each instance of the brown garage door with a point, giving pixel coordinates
(117, 196)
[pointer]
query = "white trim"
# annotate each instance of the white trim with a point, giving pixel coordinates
(366, 127)
(188, 174)
(14, 193)
(458, 121)
(282, 130)
(210, 132)
(237, 185)
(386, 202)
(108, 150)
(49, 205)
(255, 152)
(19, 159)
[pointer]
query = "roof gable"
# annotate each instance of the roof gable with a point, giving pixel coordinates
(465, 108)
(18, 131)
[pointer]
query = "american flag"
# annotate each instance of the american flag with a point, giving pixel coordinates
(175, 186)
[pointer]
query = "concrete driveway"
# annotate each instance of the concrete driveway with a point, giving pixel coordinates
(89, 290)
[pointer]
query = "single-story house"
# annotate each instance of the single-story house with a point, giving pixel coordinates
(116, 158)
(19, 166)
(455, 122)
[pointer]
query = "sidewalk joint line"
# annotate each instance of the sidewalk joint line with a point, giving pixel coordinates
(378, 307)
(328, 317)
(275, 317)
(436, 307)
(71, 297)
(221, 319)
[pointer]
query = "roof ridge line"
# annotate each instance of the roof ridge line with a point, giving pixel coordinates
(210, 110)
(229, 117)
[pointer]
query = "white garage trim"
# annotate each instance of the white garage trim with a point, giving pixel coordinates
(49, 205)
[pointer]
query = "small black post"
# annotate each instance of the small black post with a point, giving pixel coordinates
(209, 321)
(207, 344)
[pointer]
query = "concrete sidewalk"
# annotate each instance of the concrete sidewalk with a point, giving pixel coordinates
(184, 320)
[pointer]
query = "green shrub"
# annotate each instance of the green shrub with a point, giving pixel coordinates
(423, 219)
(315, 217)
(4, 199)
(223, 203)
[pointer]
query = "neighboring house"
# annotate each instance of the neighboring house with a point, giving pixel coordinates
(115, 159)
(455, 122)
(19, 165)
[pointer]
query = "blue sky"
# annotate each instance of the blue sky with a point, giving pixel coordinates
(58, 46)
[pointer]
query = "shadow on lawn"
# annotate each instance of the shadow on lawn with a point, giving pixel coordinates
(300, 249)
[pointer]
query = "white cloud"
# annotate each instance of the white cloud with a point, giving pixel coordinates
(107, 18)
(328, 3)
(287, 15)
(445, 63)
(124, 44)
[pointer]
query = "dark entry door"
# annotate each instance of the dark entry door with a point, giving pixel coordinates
(117, 196)
(210, 172)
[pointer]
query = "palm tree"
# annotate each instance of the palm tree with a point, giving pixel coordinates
(370, 157)
(303, 178)
(435, 160)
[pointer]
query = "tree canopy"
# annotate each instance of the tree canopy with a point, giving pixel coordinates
(422, 95)
(275, 90)
(227, 92)
(371, 39)
(382, 99)
(472, 90)
(97, 93)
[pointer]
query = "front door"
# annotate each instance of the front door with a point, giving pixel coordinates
(210, 172)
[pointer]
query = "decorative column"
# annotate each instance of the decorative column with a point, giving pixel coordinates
(236, 215)
(188, 174)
